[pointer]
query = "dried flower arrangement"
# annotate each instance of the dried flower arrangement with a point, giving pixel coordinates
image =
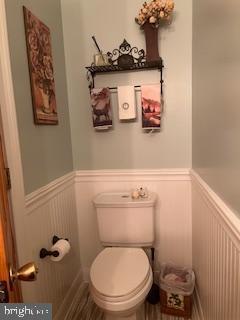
(155, 11)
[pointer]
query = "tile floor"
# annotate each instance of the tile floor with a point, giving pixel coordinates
(83, 308)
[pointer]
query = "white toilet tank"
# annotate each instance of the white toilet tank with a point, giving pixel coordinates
(123, 221)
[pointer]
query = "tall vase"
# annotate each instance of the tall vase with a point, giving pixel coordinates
(151, 37)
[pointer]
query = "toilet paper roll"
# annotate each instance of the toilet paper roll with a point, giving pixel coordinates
(63, 247)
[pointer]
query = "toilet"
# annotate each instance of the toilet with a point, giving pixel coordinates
(121, 275)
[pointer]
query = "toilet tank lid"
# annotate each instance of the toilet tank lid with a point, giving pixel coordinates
(123, 199)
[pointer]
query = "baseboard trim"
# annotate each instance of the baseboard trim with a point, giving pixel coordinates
(132, 175)
(224, 212)
(197, 306)
(67, 302)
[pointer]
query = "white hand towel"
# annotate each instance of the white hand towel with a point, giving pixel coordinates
(126, 103)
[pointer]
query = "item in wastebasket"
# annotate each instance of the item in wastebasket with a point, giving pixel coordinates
(174, 277)
(178, 280)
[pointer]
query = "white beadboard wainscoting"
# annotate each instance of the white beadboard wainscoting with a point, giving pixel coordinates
(173, 224)
(193, 226)
(50, 211)
(216, 253)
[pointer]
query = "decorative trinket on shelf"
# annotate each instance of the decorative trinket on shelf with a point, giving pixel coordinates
(126, 55)
(149, 18)
(125, 58)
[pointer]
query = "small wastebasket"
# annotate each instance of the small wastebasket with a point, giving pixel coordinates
(176, 289)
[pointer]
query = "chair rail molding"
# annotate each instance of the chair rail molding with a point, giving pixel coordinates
(222, 211)
(46, 193)
(133, 175)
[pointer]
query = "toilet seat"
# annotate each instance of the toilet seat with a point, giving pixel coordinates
(119, 274)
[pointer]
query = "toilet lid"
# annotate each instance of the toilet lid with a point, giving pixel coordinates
(117, 272)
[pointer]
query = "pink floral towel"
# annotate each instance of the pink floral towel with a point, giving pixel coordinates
(151, 106)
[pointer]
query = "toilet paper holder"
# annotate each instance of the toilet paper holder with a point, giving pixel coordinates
(44, 252)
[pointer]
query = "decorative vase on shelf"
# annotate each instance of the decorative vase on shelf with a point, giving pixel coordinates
(151, 37)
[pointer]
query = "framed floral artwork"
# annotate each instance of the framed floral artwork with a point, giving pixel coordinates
(40, 63)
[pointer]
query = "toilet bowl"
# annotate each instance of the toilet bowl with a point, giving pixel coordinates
(121, 276)
(120, 279)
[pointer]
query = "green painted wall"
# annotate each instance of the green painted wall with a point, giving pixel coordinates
(46, 150)
(126, 146)
(216, 96)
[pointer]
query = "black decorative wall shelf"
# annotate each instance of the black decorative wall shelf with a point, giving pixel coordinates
(115, 68)
(126, 58)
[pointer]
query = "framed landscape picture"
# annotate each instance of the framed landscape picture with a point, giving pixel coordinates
(40, 62)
